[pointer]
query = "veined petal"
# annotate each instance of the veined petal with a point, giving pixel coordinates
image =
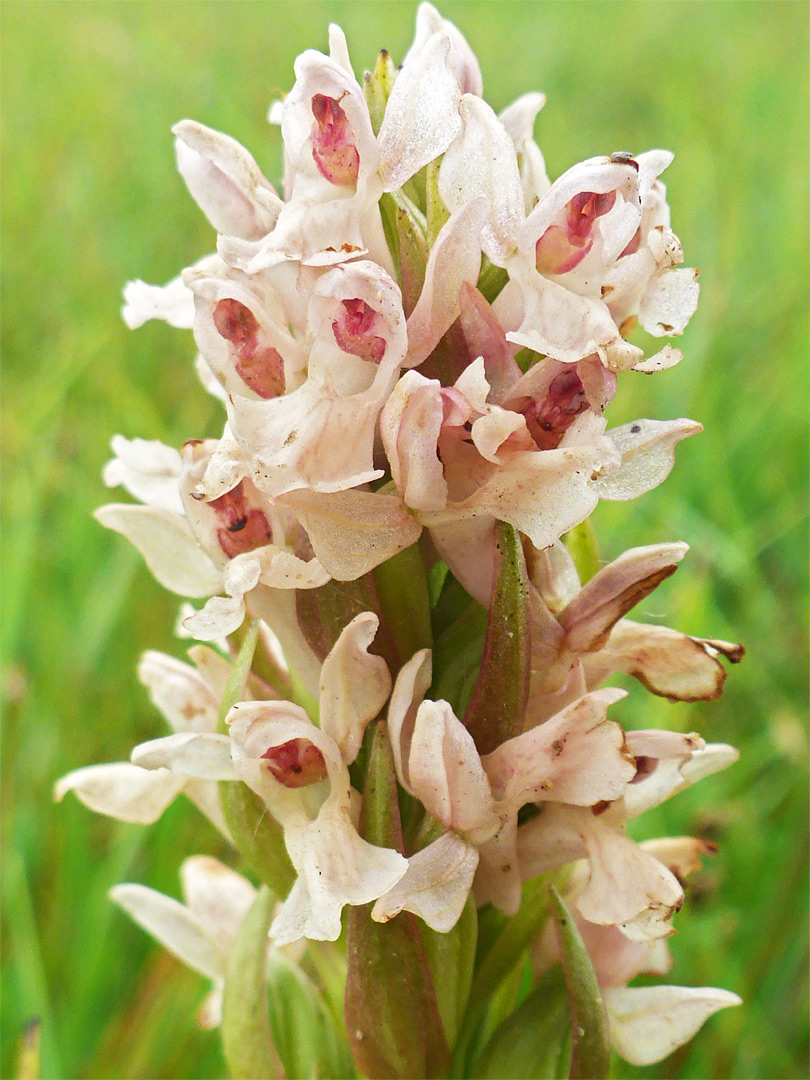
(204, 755)
(174, 926)
(648, 1022)
(647, 448)
(168, 546)
(435, 886)
(148, 469)
(355, 685)
(122, 790)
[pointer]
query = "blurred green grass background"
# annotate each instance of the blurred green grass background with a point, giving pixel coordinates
(90, 199)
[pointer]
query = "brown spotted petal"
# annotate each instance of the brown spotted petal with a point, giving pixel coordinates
(591, 615)
(577, 757)
(667, 662)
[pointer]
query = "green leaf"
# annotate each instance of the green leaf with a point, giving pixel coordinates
(589, 1024)
(497, 962)
(304, 1032)
(457, 658)
(451, 959)
(392, 1016)
(247, 1041)
(240, 670)
(533, 1041)
(583, 549)
(257, 835)
(403, 594)
(498, 704)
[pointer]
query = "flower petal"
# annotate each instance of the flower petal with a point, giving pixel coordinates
(174, 926)
(122, 790)
(435, 886)
(204, 755)
(148, 469)
(648, 1022)
(647, 448)
(168, 546)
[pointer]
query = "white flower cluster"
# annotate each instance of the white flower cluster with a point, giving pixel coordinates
(420, 340)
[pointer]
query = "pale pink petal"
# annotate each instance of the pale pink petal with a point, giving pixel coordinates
(626, 886)
(148, 469)
(411, 685)
(421, 117)
(225, 181)
(577, 757)
(648, 1022)
(435, 886)
(167, 545)
(485, 337)
(174, 926)
(335, 867)
(647, 448)
(454, 260)
(204, 755)
(410, 425)
(339, 49)
(445, 770)
(355, 685)
(680, 854)
(122, 790)
(541, 494)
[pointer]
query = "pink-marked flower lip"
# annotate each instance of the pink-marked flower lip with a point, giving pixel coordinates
(548, 419)
(243, 527)
(260, 367)
(353, 331)
(562, 247)
(333, 147)
(296, 763)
